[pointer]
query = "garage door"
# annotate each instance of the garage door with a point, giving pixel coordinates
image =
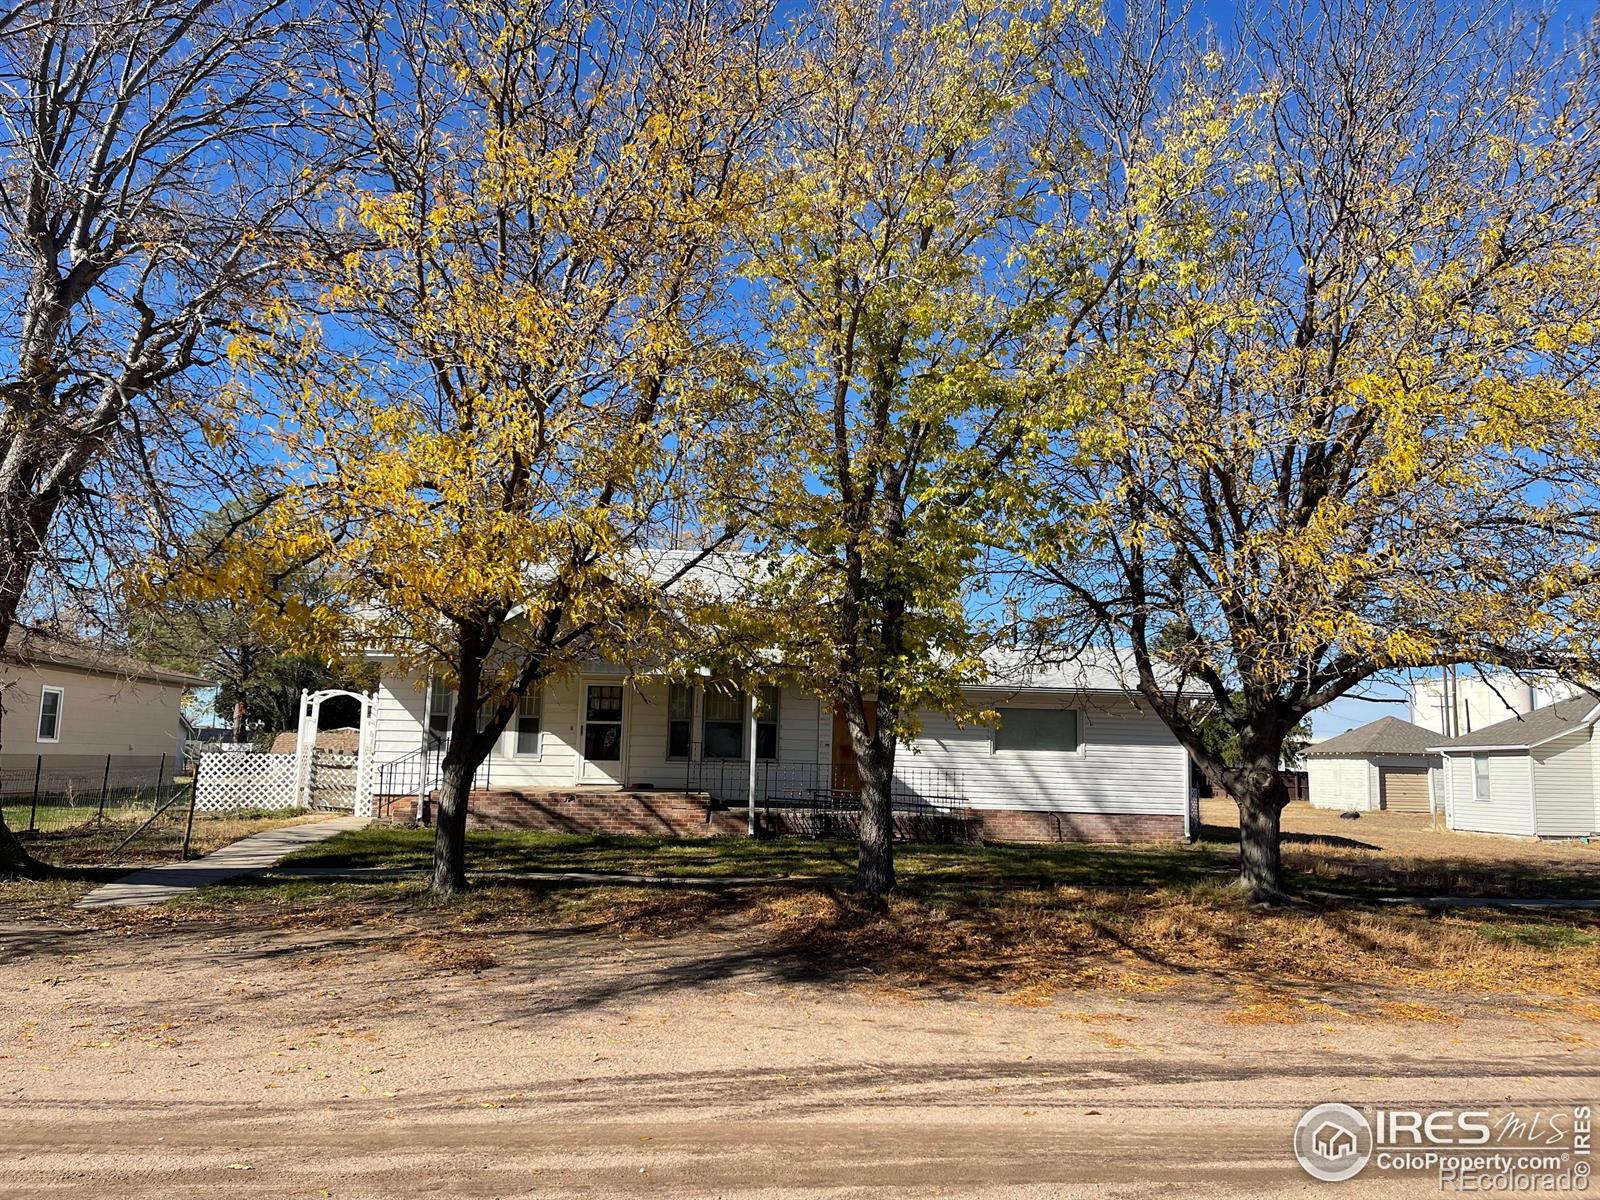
(1403, 790)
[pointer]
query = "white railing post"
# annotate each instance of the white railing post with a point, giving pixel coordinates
(751, 747)
(364, 757)
(304, 748)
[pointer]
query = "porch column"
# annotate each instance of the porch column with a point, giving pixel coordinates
(750, 742)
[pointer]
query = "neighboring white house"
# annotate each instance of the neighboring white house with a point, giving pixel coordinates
(1072, 755)
(1385, 764)
(1531, 776)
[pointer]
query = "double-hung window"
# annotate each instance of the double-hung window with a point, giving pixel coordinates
(722, 731)
(50, 699)
(1480, 777)
(441, 708)
(767, 704)
(725, 718)
(680, 719)
(529, 711)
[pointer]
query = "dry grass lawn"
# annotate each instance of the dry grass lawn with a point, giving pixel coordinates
(1403, 852)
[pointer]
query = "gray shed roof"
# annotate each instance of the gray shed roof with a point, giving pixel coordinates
(1533, 729)
(1386, 735)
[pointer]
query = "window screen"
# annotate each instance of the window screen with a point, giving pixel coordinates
(1480, 776)
(528, 713)
(680, 717)
(724, 723)
(1036, 729)
(767, 702)
(50, 715)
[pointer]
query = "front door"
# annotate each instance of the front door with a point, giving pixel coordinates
(846, 774)
(601, 741)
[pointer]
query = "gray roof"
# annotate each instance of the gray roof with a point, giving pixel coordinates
(32, 646)
(1533, 729)
(1386, 735)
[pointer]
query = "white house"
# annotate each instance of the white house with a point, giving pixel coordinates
(1385, 764)
(1072, 755)
(1530, 776)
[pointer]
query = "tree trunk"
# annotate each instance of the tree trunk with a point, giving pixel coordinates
(875, 857)
(450, 831)
(15, 861)
(874, 749)
(466, 747)
(238, 720)
(1261, 799)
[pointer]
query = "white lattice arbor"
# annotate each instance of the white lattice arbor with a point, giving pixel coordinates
(224, 782)
(306, 746)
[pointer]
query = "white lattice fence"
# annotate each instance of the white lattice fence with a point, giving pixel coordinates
(229, 781)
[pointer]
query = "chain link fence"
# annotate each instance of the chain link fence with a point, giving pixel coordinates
(80, 808)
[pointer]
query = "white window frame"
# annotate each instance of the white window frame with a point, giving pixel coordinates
(61, 703)
(774, 719)
(537, 695)
(692, 694)
(1482, 779)
(996, 750)
(437, 689)
(743, 702)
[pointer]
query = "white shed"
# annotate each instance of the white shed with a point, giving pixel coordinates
(1530, 776)
(1385, 764)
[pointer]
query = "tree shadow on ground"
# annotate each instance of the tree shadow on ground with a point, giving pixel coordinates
(553, 948)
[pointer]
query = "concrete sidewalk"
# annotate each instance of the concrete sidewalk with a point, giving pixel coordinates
(244, 857)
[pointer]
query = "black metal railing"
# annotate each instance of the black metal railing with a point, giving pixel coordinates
(808, 786)
(417, 775)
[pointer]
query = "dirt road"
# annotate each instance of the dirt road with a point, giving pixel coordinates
(224, 1058)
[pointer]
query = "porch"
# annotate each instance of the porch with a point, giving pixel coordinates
(720, 799)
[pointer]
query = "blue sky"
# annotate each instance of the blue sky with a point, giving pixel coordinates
(1376, 698)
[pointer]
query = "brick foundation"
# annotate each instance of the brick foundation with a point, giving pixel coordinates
(1016, 825)
(684, 815)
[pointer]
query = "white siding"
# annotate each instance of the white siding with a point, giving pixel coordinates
(1564, 786)
(399, 715)
(1509, 808)
(798, 717)
(1439, 786)
(556, 764)
(1127, 762)
(1340, 783)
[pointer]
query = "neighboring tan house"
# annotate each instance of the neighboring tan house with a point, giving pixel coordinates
(1530, 776)
(62, 696)
(1072, 757)
(1385, 764)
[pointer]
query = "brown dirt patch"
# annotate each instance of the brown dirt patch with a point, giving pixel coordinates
(247, 1048)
